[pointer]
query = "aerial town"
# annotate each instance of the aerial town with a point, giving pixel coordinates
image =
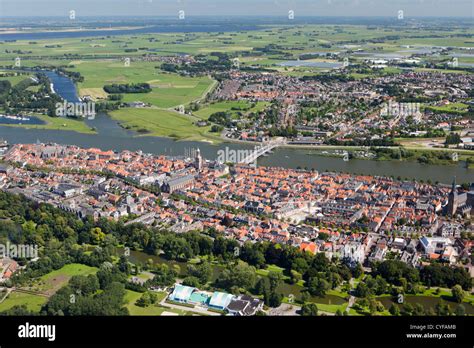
(233, 162)
(343, 110)
(362, 218)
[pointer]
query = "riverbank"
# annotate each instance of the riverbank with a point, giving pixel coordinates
(156, 122)
(163, 123)
(56, 123)
(462, 155)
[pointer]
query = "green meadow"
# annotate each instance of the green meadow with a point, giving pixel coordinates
(100, 60)
(155, 309)
(49, 283)
(168, 90)
(32, 302)
(163, 123)
(57, 123)
(233, 107)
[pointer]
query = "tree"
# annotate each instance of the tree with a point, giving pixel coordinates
(252, 255)
(275, 299)
(407, 309)
(300, 265)
(305, 296)
(191, 281)
(124, 265)
(97, 236)
(275, 279)
(458, 293)
(260, 286)
(144, 300)
(394, 310)
(177, 248)
(372, 306)
(440, 275)
(452, 138)
(318, 286)
(395, 272)
(242, 275)
(86, 285)
(203, 272)
(295, 276)
(418, 309)
(357, 271)
(460, 310)
(442, 309)
(362, 290)
(164, 276)
(309, 309)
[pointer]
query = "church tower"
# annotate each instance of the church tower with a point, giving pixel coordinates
(452, 200)
(198, 162)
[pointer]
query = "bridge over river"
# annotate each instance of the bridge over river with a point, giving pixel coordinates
(261, 150)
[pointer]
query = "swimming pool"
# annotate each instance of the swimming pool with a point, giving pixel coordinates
(198, 297)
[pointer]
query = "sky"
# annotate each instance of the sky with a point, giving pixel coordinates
(366, 8)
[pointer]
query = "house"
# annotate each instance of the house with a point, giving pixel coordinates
(5, 169)
(309, 247)
(7, 268)
(244, 305)
(399, 243)
(353, 252)
(137, 280)
(450, 254)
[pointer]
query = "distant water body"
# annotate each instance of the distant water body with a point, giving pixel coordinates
(305, 63)
(175, 28)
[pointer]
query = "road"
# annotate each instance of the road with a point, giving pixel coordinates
(196, 309)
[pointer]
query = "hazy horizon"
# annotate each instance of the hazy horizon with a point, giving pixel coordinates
(269, 8)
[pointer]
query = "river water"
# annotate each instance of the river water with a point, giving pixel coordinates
(110, 136)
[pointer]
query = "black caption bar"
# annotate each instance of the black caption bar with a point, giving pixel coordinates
(294, 331)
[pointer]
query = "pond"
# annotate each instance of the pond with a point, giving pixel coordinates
(284, 288)
(427, 302)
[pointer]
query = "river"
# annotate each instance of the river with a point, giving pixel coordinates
(110, 136)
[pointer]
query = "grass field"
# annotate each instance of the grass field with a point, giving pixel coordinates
(132, 296)
(13, 79)
(32, 302)
(459, 108)
(231, 107)
(163, 123)
(308, 38)
(100, 60)
(168, 90)
(50, 283)
(57, 123)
